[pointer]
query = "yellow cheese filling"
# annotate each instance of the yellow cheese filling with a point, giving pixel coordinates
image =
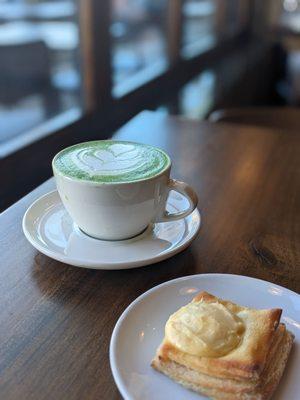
(204, 329)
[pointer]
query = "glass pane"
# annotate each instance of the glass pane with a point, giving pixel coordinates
(207, 21)
(199, 26)
(235, 17)
(39, 72)
(196, 99)
(138, 32)
(286, 14)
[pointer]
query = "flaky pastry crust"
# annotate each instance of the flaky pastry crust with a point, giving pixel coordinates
(251, 371)
(248, 360)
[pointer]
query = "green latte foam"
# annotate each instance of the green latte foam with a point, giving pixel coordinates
(109, 161)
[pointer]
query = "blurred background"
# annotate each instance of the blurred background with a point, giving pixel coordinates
(75, 70)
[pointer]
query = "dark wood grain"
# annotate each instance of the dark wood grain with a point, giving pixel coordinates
(56, 320)
(270, 117)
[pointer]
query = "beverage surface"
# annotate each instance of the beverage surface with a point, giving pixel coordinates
(109, 161)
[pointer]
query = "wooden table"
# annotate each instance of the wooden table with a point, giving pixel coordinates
(56, 320)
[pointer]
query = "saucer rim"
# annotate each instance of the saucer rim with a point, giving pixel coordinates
(98, 265)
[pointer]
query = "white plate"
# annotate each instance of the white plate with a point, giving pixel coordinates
(140, 330)
(50, 229)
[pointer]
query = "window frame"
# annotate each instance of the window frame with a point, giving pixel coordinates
(103, 113)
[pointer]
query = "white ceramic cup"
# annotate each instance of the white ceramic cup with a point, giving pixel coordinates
(117, 211)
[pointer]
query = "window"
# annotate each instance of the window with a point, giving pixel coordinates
(46, 55)
(199, 26)
(197, 97)
(235, 17)
(138, 33)
(289, 15)
(205, 22)
(39, 71)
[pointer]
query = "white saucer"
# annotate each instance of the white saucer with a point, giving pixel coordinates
(49, 228)
(140, 330)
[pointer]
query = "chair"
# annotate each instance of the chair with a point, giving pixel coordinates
(271, 117)
(24, 70)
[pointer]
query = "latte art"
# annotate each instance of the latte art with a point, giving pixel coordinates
(118, 158)
(111, 161)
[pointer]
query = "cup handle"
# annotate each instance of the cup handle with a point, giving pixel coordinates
(188, 192)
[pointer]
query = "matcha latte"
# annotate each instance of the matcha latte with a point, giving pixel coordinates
(109, 161)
